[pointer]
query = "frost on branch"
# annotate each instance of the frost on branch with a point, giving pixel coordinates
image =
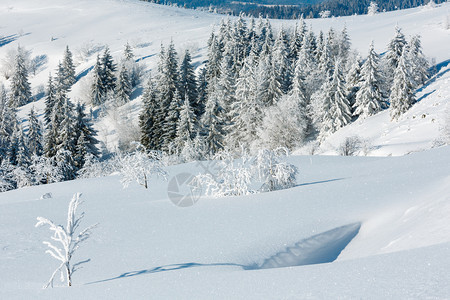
(267, 171)
(140, 166)
(66, 241)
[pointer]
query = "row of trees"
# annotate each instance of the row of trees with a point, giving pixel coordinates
(257, 90)
(53, 151)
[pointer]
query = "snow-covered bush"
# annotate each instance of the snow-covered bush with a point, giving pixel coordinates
(325, 14)
(140, 166)
(69, 239)
(249, 174)
(350, 146)
(45, 170)
(272, 171)
(372, 9)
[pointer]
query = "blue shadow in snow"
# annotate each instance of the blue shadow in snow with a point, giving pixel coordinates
(5, 40)
(318, 182)
(83, 73)
(435, 73)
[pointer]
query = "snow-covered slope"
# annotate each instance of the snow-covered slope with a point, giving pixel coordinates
(147, 247)
(47, 26)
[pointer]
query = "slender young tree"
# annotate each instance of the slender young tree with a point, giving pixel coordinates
(20, 87)
(69, 69)
(188, 82)
(85, 137)
(108, 69)
(148, 118)
(98, 90)
(34, 134)
(123, 87)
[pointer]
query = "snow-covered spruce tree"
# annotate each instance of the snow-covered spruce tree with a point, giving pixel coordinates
(224, 89)
(187, 80)
(372, 9)
(392, 57)
(308, 59)
(274, 90)
(8, 120)
(84, 137)
(140, 166)
(69, 238)
(133, 68)
(369, 97)
(6, 179)
(34, 134)
(344, 47)
(341, 110)
(419, 64)
(202, 87)
(123, 87)
(214, 59)
(19, 152)
(169, 126)
(213, 126)
(352, 82)
(68, 69)
(186, 127)
(281, 62)
(20, 93)
(402, 94)
(108, 71)
(98, 90)
(50, 95)
(247, 109)
(147, 119)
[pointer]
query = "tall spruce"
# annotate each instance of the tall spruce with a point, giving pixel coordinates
(85, 137)
(123, 87)
(148, 119)
(188, 82)
(34, 134)
(20, 93)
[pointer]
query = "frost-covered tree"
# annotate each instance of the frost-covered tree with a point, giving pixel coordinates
(352, 82)
(140, 166)
(186, 126)
(202, 87)
(419, 64)
(369, 97)
(372, 9)
(169, 128)
(68, 69)
(188, 82)
(45, 170)
(98, 90)
(85, 141)
(148, 121)
(393, 54)
(123, 87)
(6, 178)
(50, 95)
(108, 71)
(68, 239)
(341, 110)
(213, 125)
(281, 62)
(402, 94)
(34, 134)
(20, 93)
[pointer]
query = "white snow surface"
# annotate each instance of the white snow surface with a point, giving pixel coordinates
(146, 247)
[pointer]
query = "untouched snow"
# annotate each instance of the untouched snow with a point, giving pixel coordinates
(146, 247)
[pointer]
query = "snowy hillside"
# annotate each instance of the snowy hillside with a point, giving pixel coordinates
(86, 26)
(372, 226)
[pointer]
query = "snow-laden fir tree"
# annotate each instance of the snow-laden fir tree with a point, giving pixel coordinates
(84, 137)
(169, 127)
(20, 93)
(225, 88)
(202, 87)
(69, 69)
(50, 95)
(213, 126)
(8, 120)
(369, 97)
(402, 94)
(186, 127)
(281, 62)
(45, 170)
(19, 154)
(128, 52)
(419, 64)
(34, 134)
(214, 59)
(123, 87)
(148, 122)
(98, 90)
(393, 54)
(352, 82)
(341, 110)
(108, 69)
(188, 82)
(344, 46)
(372, 9)
(247, 110)
(274, 84)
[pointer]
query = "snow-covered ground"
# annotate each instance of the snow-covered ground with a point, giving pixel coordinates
(391, 214)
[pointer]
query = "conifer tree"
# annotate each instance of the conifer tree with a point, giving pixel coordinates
(213, 126)
(419, 64)
(84, 137)
(148, 121)
(169, 127)
(341, 110)
(34, 134)
(281, 62)
(394, 52)
(69, 69)
(352, 82)
(20, 93)
(123, 87)
(402, 94)
(186, 127)
(98, 90)
(108, 69)
(369, 97)
(49, 100)
(188, 82)
(128, 52)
